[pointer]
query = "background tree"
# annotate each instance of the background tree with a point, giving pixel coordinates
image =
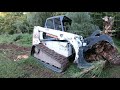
(9, 22)
(82, 23)
(37, 18)
(97, 19)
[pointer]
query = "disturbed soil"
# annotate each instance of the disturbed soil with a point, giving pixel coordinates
(15, 52)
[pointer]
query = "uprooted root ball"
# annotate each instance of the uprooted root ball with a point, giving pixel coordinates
(105, 51)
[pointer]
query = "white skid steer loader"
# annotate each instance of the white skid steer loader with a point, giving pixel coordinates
(55, 47)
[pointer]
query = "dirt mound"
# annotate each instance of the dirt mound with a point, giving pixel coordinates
(14, 52)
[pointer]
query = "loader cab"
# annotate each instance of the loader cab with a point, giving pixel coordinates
(61, 23)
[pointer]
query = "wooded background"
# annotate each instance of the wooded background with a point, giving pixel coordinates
(84, 23)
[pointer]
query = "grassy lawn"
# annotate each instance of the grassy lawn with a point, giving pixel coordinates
(31, 68)
(18, 39)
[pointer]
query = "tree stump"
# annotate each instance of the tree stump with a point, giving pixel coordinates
(107, 25)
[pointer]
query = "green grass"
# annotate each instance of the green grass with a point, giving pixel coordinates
(8, 68)
(24, 39)
(72, 71)
(5, 38)
(31, 68)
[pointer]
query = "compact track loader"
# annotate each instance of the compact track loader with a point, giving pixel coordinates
(55, 47)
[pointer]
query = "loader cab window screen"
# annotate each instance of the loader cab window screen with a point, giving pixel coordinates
(66, 26)
(49, 24)
(58, 25)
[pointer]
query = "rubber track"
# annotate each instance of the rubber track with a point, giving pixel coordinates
(59, 58)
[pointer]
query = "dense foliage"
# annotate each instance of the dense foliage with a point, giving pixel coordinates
(83, 23)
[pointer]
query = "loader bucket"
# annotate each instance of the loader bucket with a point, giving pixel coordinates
(101, 48)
